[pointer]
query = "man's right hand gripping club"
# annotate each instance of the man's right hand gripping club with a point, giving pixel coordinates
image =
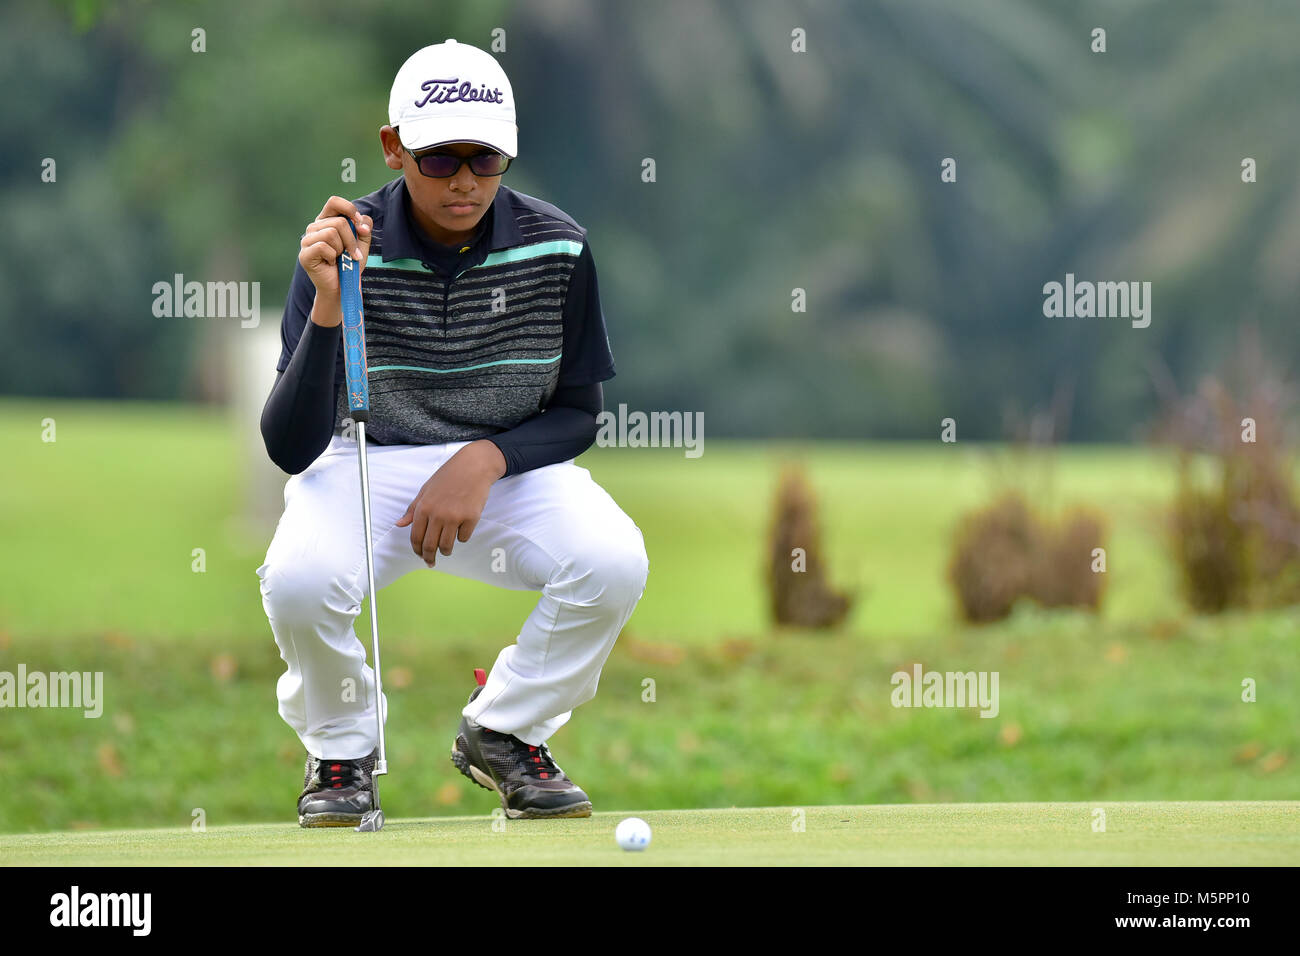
(326, 238)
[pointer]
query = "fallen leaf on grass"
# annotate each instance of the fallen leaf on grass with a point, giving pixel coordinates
(224, 667)
(736, 649)
(1166, 629)
(109, 760)
(118, 640)
(1273, 762)
(669, 654)
(1247, 752)
(449, 794)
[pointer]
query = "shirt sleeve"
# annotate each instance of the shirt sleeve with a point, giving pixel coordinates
(587, 358)
(298, 418)
(297, 315)
(297, 312)
(563, 430)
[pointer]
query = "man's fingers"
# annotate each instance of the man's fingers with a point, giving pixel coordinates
(447, 540)
(317, 257)
(429, 546)
(419, 525)
(365, 233)
(316, 233)
(342, 210)
(338, 206)
(347, 242)
(467, 529)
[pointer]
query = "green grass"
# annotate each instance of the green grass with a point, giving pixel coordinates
(799, 719)
(101, 526)
(1000, 834)
(1140, 703)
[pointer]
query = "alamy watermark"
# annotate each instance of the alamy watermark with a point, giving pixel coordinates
(208, 300)
(75, 689)
(1102, 300)
(129, 910)
(651, 430)
(946, 689)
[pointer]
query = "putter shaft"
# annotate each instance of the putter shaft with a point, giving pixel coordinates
(381, 764)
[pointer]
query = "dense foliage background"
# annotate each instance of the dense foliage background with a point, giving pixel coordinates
(776, 170)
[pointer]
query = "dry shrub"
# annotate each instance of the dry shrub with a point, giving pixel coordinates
(1063, 574)
(1236, 540)
(1236, 535)
(1209, 548)
(991, 566)
(800, 598)
(1004, 552)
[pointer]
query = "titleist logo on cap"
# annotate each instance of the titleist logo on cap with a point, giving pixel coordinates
(452, 90)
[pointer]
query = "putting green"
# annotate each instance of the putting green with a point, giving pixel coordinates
(1005, 834)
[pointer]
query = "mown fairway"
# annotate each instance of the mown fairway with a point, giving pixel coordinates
(1000, 834)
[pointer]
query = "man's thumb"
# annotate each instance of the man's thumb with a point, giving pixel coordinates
(364, 236)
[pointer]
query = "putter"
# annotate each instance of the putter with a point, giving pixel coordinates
(358, 385)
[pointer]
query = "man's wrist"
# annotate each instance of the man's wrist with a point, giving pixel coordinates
(492, 458)
(327, 310)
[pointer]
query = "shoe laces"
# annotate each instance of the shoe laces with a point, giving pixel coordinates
(539, 762)
(338, 774)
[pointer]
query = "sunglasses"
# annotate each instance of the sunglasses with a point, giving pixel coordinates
(445, 165)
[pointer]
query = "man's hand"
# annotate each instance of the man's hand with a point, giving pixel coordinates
(327, 237)
(450, 503)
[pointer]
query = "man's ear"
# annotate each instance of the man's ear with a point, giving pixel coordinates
(392, 146)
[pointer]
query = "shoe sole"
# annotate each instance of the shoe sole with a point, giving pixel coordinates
(329, 819)
(582, 809)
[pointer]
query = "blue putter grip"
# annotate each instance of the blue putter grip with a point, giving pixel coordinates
(354, 336)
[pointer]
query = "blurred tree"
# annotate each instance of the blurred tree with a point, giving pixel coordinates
(776, 170)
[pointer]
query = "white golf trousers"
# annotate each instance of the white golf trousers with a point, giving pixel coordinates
(552, 529)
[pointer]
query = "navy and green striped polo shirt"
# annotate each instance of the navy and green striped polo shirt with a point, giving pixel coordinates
(463, 355)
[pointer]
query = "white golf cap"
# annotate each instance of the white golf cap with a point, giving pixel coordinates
(453, 93)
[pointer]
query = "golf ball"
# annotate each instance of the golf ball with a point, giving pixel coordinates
(633, 834)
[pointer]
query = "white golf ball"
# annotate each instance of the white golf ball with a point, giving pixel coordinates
(633, 834)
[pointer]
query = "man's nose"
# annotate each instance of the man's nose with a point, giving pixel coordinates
(464, 178)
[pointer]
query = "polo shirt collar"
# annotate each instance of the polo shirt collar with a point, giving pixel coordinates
(400, 241)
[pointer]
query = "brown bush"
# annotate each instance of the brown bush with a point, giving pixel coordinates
(1004, 552)
(800, 598)
(1236, 536)
(992, 561)
(1235, 543)
(1063, 574)
(1209, 548)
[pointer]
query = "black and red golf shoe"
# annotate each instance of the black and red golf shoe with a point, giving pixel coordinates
(526, 777)
(336, 793)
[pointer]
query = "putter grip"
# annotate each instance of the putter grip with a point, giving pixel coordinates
(354, 337)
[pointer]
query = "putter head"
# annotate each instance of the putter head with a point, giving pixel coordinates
(372, 821)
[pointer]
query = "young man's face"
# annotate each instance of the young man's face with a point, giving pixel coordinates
(448, 210)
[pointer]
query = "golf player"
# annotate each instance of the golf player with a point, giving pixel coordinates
(486, 347)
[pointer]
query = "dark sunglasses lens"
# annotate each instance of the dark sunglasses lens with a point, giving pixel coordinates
(489, 164)
(439, 165)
